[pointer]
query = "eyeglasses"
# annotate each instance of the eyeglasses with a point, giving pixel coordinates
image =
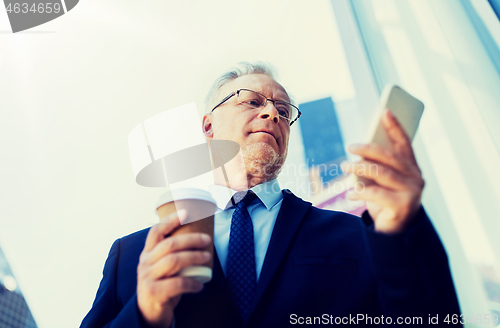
(250, 99)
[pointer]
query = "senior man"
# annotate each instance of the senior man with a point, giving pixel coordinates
(278, 260)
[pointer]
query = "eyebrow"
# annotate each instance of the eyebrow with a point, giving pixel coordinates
(279, 98)
(288, 100)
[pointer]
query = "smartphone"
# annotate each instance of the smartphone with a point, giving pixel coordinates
(407, 110)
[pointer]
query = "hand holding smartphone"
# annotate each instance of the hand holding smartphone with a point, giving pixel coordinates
(404, 107)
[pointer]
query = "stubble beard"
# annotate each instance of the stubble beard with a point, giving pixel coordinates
(262, 162)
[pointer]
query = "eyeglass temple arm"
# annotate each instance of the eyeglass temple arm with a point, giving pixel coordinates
(224, 100)
(295, 120)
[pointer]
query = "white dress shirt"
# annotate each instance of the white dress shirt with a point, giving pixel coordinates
(263, 211)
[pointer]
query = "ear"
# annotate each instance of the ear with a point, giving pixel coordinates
(207, 126)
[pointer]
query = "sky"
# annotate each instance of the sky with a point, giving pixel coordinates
(73, 88)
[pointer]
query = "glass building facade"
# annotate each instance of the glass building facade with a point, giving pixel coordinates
(14, 312)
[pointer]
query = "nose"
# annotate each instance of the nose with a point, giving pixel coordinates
(269, 112)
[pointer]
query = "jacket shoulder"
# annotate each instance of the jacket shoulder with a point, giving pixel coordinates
(320, 216)
(138, 235)
(133, 243)
(345, 219)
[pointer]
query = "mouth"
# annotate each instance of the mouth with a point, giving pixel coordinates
(267, 132)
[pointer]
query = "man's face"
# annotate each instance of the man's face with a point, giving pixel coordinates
(261, 133)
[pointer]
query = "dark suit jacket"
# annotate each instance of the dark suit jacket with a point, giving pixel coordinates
(319, 263)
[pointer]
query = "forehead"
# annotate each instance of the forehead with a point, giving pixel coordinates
(257, 82)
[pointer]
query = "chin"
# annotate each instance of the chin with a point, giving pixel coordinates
(263, 157)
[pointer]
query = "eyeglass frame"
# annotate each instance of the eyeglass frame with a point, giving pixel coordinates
(237, 92)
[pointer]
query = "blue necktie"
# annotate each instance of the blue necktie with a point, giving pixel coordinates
(241, 273)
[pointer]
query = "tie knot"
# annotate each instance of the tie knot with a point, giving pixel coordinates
(244, 198)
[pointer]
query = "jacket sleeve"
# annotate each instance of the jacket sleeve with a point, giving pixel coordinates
(106, 312)
(412, 272)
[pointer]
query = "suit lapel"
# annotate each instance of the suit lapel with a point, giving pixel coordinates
(290, 217)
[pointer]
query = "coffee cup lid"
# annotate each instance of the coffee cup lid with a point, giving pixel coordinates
(184, 193)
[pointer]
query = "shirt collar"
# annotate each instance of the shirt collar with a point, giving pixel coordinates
(268, 192)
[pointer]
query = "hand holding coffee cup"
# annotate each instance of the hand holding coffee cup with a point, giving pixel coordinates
(159, 286)
(200, 207)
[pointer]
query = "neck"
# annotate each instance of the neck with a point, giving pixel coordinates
(241, 176)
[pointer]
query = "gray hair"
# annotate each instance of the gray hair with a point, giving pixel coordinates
(243, 68)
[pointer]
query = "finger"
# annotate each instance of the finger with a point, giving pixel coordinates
(171, 264)
(397, 135)
(158, 232)
(382, 155)
(394, 128)
(166, 289)
(381, 174)
(376, 194)
(179, 243)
